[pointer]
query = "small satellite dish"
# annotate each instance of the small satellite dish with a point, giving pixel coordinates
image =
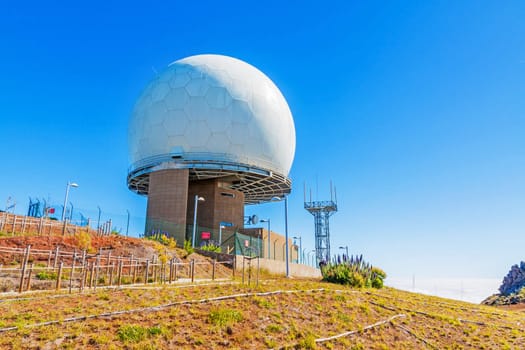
(254, 219)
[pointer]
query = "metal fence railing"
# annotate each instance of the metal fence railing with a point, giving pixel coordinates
(55, 269)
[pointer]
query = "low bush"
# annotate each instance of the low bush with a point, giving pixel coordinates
(211, 248)
(187, 247)
(353, 271)
(45, 275)
(131, 333)
(225, 317)
(163, 239)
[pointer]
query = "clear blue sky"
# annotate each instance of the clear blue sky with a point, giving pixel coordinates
(414, 109)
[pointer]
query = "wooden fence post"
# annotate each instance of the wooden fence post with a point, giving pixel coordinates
(119, 272)
(14, 225)
(171, 271)
(109, 258)
(72, 271)
(234, 264)
(91, 275)
(213, 270)
(56, 256)
(146, 275)
(97, 270)
(154, 271)
(192, 270)
(112, 267)
(83, 257)
(135, 265)
(130, 264)
(23, 269)
(59, 276)
(28, 285)
(81, 285)
(40, 224)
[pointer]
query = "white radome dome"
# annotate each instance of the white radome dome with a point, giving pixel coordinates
(217, 107)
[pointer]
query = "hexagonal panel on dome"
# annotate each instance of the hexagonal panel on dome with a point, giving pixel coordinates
(160, 91)
(159, 131)
(197, 87)
(142, 105)
(238, 134)
(197, 109)
(219, 142)
(167, 75)
(197, 133)
(241, 111)
(198, 71)
(176, 122)
(156, 112)
(177, 98)
(220, 119)
(177, 141)
(180, 79)
(219, 78)
(218, 97)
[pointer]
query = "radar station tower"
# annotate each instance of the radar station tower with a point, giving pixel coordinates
(322, 210)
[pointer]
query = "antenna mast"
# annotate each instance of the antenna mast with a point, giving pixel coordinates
(322, 210)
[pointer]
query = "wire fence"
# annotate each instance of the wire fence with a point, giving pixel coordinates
(21, 224)
(33, 269)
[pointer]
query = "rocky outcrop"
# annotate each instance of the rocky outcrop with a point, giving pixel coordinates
(514, 281)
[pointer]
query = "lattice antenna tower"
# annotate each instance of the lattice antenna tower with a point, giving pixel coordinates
(322, 210)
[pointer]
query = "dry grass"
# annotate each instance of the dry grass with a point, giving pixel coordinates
(251, 318)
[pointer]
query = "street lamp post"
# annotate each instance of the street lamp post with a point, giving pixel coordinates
(286, 235)
(69, 184)
(220, 234)
(197, 200)
(300, 248)
(71, 213)
(345, 248)
(269, 236)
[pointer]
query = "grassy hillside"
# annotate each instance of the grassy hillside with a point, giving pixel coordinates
(279, 313)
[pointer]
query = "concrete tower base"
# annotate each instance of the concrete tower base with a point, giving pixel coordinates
(167, 203)
(171, 201)
(221, 204)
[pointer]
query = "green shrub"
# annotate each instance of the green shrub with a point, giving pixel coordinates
(211, 248)
(131, 333)
(187, 247)
(353, 271)
(225, 317)
(45, 275)
(170, 242)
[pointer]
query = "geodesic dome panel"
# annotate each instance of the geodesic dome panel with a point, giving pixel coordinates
(211, 113)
